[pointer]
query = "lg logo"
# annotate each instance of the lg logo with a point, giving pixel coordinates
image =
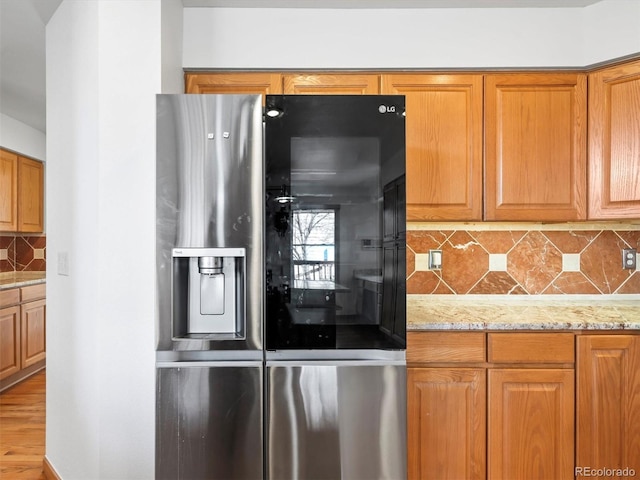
(385, 109)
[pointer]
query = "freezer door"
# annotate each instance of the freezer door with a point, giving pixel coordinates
(209, 421)
(336, 421)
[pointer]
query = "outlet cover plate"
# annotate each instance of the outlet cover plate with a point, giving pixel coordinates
(629, 257)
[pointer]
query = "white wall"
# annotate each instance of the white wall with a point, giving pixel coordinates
(172, 21)
(409, 38)
(611, 29)
(73, 316)
(21, 138)
(103, 70)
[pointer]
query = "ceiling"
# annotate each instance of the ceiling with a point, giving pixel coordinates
(22, 39)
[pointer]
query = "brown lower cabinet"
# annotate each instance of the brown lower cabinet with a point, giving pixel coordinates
(22, 333)
(530, 423)
(507, 405)
(447, 423)
(608, 406)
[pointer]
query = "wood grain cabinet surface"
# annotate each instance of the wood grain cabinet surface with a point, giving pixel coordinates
(446, 408)
(614, 148)
(9, 341)
(490, 405)
(530, 424)
(22, 332)
(331, 84)
(21, 193)
(30, 195)
(250, 83)
(535, 146)
(32, 325)
(608, 402)
(8, 191)
(444, 144)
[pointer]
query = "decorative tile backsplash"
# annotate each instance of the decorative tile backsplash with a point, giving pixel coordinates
(522, 262)
(23, 253)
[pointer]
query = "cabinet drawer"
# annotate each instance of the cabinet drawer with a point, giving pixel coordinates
(33, 292)
(445, 347)
(531, 347)
(9, 297)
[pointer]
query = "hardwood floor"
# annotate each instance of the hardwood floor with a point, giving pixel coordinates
(22, 428)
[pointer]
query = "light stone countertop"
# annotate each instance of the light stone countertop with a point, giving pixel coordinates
(20, 279)
(523, 312)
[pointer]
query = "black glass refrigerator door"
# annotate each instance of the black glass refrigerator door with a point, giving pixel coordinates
(335, 215)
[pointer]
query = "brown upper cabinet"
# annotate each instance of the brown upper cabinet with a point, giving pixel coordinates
(444, 144)
(22, 193)
(331, 84)
(494, 146)
(8, 191)
(258, 83)
(30, 195)
(535, 146)
(614, 145)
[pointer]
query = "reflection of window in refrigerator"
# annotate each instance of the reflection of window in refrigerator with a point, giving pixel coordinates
(314, 242)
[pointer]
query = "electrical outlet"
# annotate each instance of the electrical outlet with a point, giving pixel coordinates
(629, 256)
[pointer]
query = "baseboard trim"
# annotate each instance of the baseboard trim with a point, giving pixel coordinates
(48, 470)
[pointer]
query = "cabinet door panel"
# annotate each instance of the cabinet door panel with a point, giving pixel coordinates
(535, 147)
(256, 83)
(9, 341)
(614, 149)
(331, 84)
(608, 406)
(446, 423)
(531, 424)
(8, 191)
(33, 332)
(30, 195)
(444, 144)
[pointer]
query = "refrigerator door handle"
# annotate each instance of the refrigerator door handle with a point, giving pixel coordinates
(335, 363)
(209, 364)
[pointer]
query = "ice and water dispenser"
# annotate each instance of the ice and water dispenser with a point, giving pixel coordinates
(209, 293)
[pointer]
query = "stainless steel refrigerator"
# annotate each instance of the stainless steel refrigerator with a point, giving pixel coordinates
(281, 287)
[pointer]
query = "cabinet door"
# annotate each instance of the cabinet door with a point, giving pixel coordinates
(444, 144)
(614, 150)
(30, 195)
(331, 84)
(257, 83)
(531, 424)
(33, 316)
(608, 406)
(9, 341)
(8, 191)
(446, 423)
(535, 147)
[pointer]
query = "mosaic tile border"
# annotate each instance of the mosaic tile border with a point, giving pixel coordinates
(23, 253)
(522, 261)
